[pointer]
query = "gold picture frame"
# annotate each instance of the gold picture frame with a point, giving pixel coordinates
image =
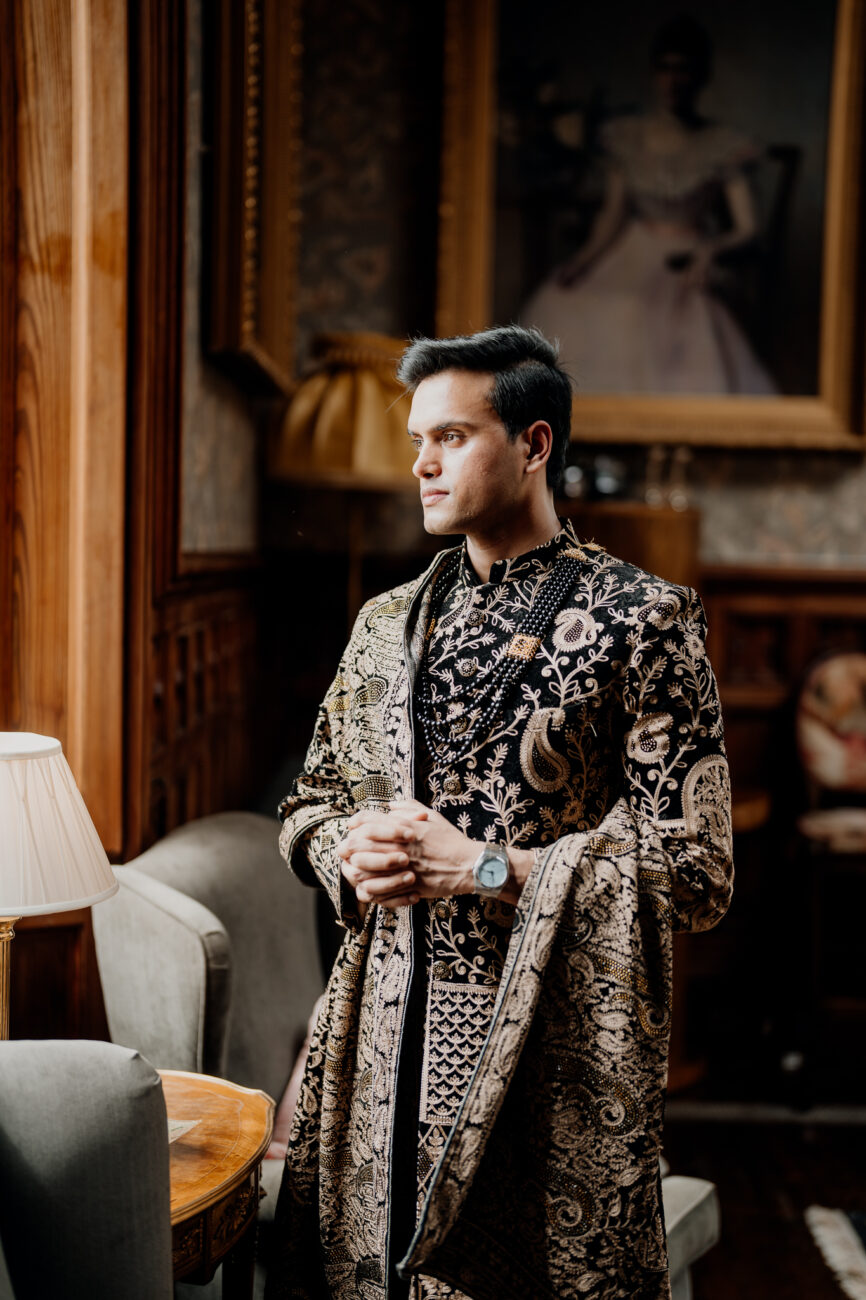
(832, 419)
(256, 146)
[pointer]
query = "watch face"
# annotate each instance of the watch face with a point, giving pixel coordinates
(492, 871)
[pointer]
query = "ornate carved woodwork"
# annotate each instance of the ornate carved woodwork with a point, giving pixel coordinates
(201, 673)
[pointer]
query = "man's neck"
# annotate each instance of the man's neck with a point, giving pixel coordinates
(515, 538)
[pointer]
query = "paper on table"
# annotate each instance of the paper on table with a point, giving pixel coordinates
(178, 1127)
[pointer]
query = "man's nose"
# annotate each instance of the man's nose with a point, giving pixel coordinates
(426, 463)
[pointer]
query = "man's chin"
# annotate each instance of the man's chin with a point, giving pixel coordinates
(438, 522)
(438, 527)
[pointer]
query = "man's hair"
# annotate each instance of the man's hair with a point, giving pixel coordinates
(528, 382)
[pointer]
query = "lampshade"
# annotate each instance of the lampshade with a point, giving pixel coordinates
(51, 858)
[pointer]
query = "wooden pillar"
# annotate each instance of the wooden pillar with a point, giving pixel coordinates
(64, 488)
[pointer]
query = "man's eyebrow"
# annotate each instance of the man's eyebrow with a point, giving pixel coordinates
(448, 424)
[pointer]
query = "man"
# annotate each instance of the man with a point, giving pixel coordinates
(516, 790)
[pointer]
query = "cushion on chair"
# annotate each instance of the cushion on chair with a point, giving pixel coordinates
(84, 1172)
(231, 864)
(164, 964)
(692, 1220)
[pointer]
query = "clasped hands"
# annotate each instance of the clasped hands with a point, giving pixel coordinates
(405, 854)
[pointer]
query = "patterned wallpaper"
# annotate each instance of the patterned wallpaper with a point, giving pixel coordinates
(765, 508)
(369, 168)
(806, 510)
(219, 468)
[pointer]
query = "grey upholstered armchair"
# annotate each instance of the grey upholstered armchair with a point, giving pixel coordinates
(84, 1182)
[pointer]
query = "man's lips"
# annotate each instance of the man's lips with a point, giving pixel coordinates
(430, 498)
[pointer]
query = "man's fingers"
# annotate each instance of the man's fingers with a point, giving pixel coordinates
(403, 900)
(383, 828)
(377, 861)
(376, 838)
(409, 807)
(383, 832)
(376, 889)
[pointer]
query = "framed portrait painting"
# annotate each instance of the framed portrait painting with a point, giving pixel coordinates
(676, 195)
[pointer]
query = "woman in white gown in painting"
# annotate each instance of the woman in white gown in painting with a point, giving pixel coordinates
(634, 309)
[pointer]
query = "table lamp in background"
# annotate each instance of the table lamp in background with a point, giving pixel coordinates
(51, 858)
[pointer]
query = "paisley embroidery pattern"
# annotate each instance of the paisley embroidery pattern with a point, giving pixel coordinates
(648, 739)
(574, 629)
(543, 767)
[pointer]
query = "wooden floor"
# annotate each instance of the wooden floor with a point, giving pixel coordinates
(767, 1175)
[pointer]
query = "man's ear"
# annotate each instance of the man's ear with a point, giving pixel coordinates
(538, 444)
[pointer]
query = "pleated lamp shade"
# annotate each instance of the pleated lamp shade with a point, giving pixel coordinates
(51, 858)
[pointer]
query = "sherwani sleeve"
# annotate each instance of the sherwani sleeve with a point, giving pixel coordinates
(316, 812)
(674, 809)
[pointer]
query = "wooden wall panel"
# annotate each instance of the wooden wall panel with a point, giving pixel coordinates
(752, 987)
(8, 306)
(55, 990)
(98, 410)
(63, 209)
(765, 628)
(65, 673)
(192, 631)
(43, 51)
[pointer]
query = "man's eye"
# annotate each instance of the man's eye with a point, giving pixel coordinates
(450, 436)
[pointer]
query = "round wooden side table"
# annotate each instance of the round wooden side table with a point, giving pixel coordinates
(214, 1169)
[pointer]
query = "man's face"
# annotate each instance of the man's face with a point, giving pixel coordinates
(471, 473)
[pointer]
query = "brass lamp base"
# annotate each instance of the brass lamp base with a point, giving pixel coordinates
(7, 934)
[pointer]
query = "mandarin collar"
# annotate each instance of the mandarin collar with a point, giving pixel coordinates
(520, 566)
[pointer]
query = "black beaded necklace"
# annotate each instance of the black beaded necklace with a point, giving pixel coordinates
(454, 736)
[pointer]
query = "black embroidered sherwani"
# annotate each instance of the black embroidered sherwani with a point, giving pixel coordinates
(528, 1045)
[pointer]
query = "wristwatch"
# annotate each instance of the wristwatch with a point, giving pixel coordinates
(490, 871)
